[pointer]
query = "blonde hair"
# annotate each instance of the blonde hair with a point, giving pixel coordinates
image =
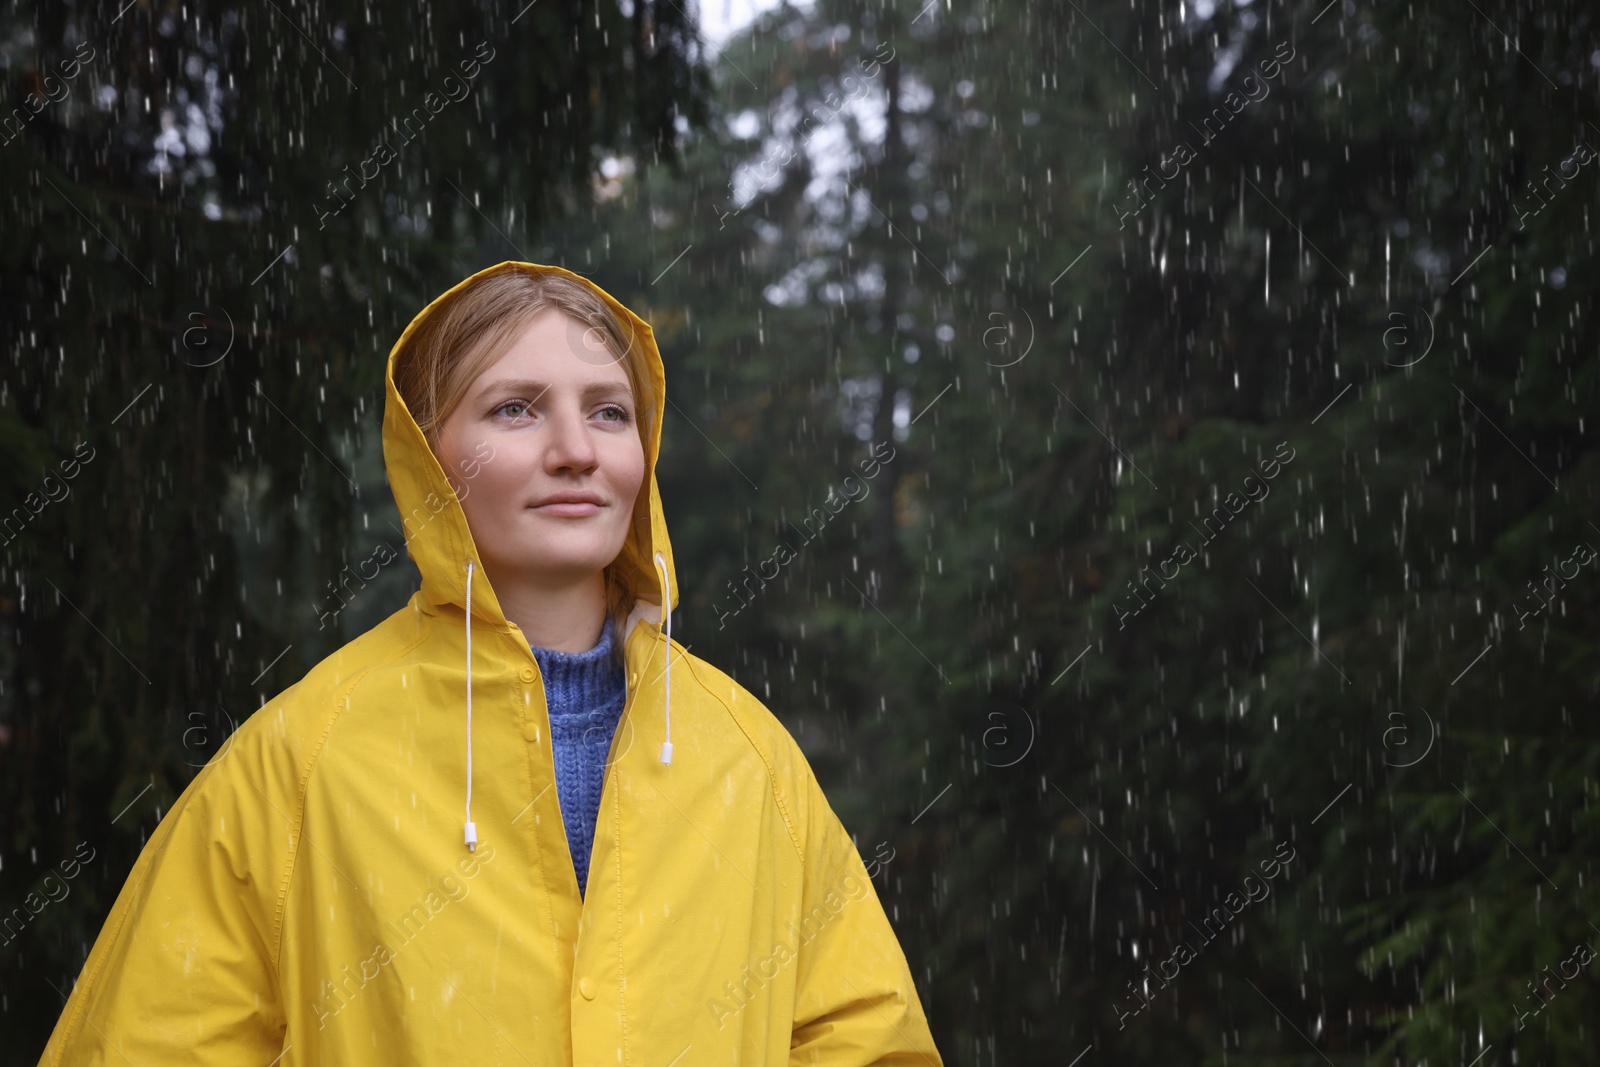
(472, 327)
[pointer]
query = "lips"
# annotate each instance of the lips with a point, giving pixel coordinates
(570, 505)
(571, 498)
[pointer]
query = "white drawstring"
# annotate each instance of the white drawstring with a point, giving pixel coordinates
(472, 829)
(666, 611)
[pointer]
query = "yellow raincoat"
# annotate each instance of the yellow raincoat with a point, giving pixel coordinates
(310, 898)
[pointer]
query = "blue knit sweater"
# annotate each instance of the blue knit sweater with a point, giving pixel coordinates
(585, 692)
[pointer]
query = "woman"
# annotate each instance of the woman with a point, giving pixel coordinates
(390, 862)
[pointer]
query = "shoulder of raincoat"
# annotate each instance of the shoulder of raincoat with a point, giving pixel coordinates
(312, 898)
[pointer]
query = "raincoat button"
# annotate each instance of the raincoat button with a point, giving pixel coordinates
(586, 987)
(530, 731)
(527, 674)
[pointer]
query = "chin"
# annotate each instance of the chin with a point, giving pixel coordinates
(552, 562)
(543, 568)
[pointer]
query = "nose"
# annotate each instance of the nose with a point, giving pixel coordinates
(569, 447)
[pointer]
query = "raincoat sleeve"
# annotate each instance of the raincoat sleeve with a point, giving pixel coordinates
(855, 1002)
(183, 969)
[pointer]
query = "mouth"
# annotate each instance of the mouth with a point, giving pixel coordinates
(570, 505)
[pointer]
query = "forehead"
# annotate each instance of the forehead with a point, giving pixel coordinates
(556, 347)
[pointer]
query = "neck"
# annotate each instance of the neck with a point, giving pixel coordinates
(560, 615)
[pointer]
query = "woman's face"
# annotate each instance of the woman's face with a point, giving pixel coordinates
(544, 452)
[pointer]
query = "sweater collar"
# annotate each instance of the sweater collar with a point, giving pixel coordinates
(577, 685)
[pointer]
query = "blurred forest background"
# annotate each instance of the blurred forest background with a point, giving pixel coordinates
(1073, 702)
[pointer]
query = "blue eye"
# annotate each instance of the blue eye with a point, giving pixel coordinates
(622, 417)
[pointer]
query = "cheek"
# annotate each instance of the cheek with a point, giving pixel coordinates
(626, 484)
(482, 484)
(628, 468)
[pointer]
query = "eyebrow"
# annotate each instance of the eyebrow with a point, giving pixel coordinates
(593, 391)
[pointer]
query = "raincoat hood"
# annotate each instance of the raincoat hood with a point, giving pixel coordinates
(440, 541)
(312, 898)
(436, 526)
